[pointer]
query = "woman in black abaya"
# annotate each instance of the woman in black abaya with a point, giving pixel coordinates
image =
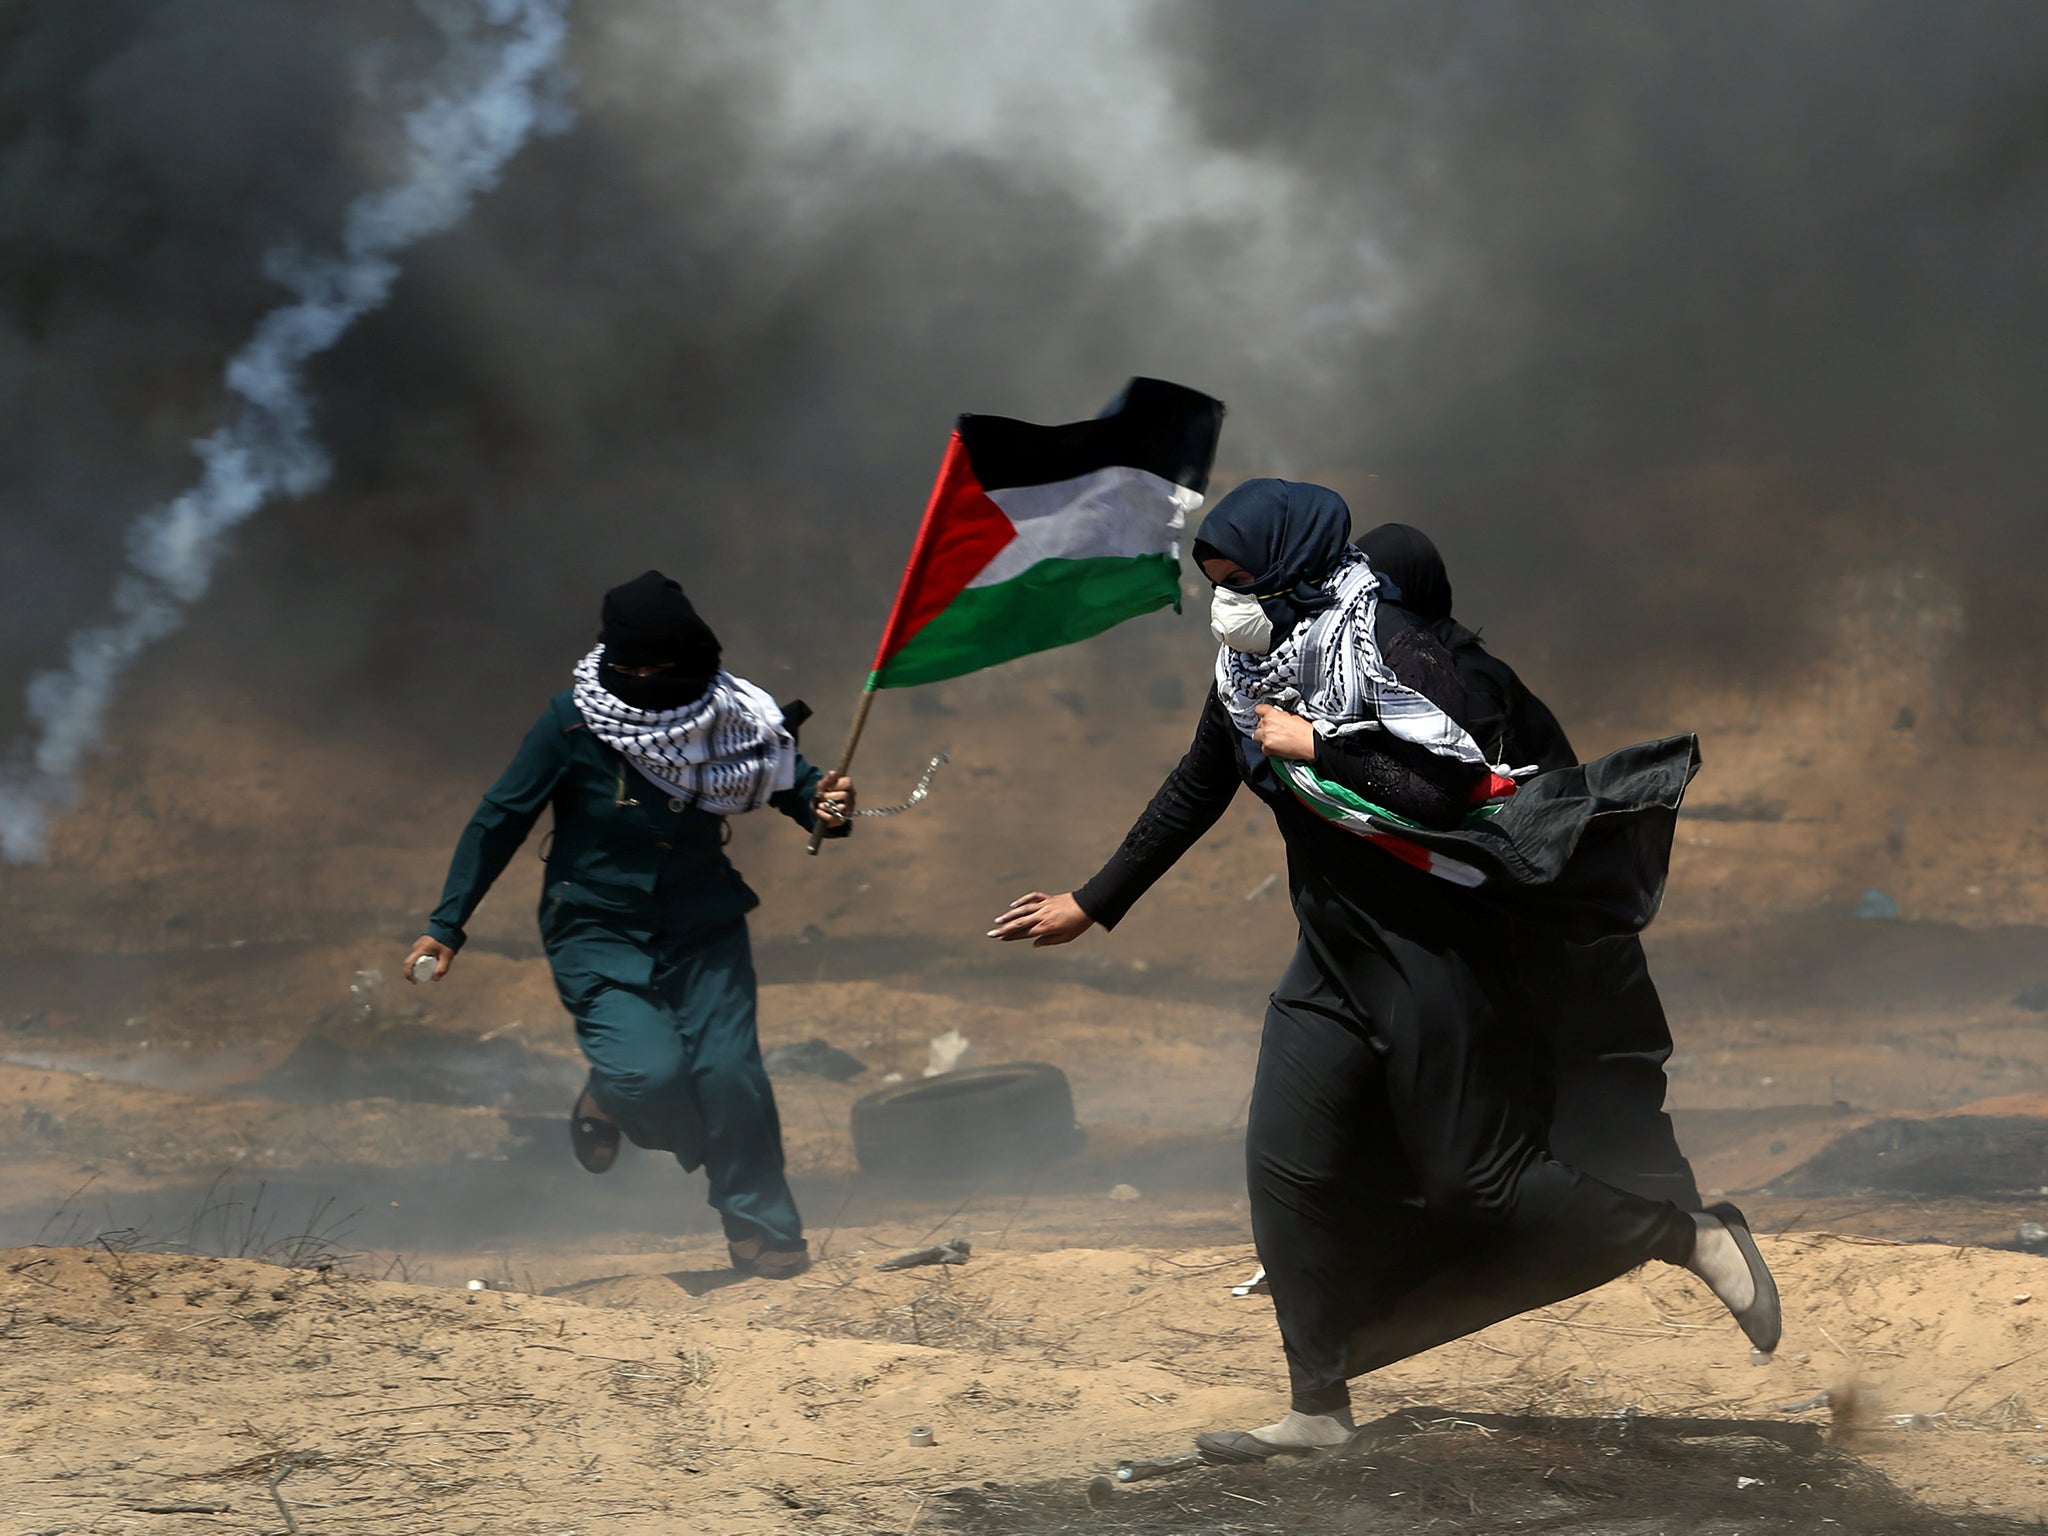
(1393, 1125)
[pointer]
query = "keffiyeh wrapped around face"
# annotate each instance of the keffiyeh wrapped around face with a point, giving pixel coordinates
(1328, 668)
(725, 753)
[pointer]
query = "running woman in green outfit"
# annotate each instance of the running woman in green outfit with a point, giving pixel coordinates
(642, 916)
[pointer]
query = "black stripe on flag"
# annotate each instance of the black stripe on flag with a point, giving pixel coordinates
(1165, 429)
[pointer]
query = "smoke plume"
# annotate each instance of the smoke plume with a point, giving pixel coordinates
(489, 95)
(1691, 308)
(1662, 318)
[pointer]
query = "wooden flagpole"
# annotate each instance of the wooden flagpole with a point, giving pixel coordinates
(911, 571)
(860, 721)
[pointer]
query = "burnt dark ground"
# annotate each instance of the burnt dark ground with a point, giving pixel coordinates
(1983, 1187)
(1433, 1470)
(1981, 1157)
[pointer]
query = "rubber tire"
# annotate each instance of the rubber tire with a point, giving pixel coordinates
(967, 1124)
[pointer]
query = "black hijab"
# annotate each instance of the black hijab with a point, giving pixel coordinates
(1290, 536)
(649, 622)
(1413, 572)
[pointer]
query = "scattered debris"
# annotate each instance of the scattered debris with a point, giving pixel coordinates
(1749, 808)
(419, 1065)
(922, 1435)
(954, 1250)
(2032, 1236)
(1808, 1404)
(1125, 1193)
(814, 1058)
(178, 1509)
(2033, 997)
(479, 1285)
(1139, 1471)
(366, 995)
(1876, 906)
(949, 1053)
(1263, 889)
(1749, 1482)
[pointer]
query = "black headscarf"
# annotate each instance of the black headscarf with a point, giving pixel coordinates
(649, 622)
(1408, 563)
(1509, 722)
(1290, 536)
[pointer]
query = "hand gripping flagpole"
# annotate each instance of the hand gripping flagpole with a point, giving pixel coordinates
(860, 721)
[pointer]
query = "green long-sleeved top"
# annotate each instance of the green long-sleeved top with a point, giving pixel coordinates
(626, 861)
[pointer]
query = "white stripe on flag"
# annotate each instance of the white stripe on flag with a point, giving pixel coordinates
(1113, 512)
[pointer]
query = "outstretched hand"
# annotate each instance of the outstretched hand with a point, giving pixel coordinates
(1042, 919)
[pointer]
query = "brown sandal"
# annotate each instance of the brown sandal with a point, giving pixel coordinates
(594, 1139)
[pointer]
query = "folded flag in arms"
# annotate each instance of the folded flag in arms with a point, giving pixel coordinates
(1040, 536)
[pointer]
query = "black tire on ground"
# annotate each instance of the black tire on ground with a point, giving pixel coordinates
(969, 1123)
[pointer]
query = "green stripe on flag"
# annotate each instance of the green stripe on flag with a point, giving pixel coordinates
(1055, 602)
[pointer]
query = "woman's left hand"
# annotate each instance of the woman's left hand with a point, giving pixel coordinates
(835, 800)
(1279, 734)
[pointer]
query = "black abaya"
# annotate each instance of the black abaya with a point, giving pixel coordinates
(1395, 1123)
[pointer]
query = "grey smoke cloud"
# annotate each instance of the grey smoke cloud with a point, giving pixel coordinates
(1657, 315)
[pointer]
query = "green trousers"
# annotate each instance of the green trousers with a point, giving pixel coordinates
(677, 1063)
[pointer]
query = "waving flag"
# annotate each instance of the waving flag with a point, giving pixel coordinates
(1040, 536)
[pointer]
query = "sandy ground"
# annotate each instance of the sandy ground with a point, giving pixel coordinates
(220, 892)
(165, 1393)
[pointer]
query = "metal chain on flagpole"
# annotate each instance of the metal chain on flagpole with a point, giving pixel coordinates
(924, 787)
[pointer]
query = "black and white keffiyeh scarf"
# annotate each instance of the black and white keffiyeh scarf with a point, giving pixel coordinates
(1329, 669)
(726, 753)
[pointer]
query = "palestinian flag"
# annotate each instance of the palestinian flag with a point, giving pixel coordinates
(1040, 536)
(1384, 828)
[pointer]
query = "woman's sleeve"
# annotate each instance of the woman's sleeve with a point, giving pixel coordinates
(1190, 802)
(505, 815)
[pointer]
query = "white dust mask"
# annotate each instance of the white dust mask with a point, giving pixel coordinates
(1237, 620)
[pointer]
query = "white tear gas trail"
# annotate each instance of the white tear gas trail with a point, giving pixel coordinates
(501, 81)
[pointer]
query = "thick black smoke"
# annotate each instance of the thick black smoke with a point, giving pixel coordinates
(1661, 315)
(659, 342)
(1697, 305)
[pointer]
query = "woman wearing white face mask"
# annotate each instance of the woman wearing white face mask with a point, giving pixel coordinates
(1395, 1130)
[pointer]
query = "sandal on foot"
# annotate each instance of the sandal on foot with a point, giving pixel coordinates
(750, 1256)
(1762, 1320)
(594, 1139)
(1236, 1448)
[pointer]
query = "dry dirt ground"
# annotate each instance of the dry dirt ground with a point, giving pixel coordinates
(202, 1103)
(165, 1393)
